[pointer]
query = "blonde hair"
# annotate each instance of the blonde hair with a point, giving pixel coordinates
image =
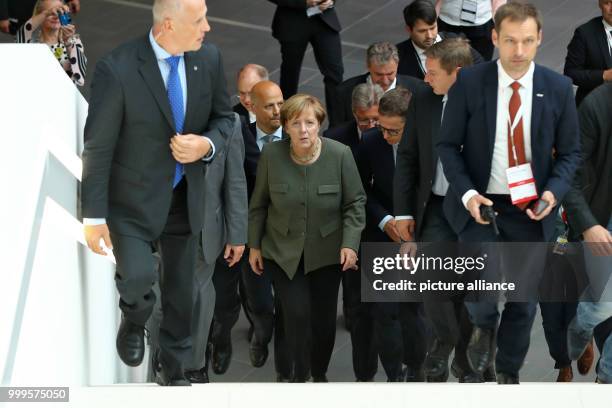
(294, 106)
(38, 7)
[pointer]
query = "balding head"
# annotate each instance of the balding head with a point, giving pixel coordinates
(249, 75)
(180, 25)
(266, 101)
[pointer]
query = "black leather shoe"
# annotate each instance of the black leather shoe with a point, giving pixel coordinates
(258, 353)
(130, 343)
(414, 374)
(221, 357)
(282, 379)
(503, 378)
(577, 340)
(436, 363)
(480, 349)
(489, 374)
(164, 380)
(465, 376)
(401, 376)
(197, 376)
(319, 379)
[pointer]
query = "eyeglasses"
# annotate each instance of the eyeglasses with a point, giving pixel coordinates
(367, 122)
(390, 132)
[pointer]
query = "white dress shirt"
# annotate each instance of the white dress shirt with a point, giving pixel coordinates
(608, 29)
(450, 12)
(392, 86)
(498, 181)
(278, 135)
(421, 54)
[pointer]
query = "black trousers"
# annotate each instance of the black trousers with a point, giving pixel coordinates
(364, 353)
(328, 55)
(401, 336)
(513, 333)
(137, 271)
(266, 316)
(479, 36)
(308, 304)
(449, 318)
(556, 316)
(226, 281)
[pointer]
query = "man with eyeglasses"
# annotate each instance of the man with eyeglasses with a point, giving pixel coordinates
(357, 316)
(392, 320)
(248, 76)
(382, 60)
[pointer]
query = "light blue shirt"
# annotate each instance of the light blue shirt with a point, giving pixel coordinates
(278, 135)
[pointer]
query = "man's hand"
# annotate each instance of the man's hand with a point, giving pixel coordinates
(325, 5)
(4, 26)
(189, 148)
(75, 6)
(256, 261)
(607, 75)
(93, 234)
(405, 229)
(311, 3)
(599, 240)
(552, 202)
(391, 230)
(232, 254)
(348, 259)
(473, 206)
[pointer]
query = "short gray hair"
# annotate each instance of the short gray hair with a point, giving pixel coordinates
(381, 53)
(365, 96)
(161, 9)
(260, 70)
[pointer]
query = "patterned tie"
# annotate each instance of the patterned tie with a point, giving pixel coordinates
(175, 97)
(517, 135)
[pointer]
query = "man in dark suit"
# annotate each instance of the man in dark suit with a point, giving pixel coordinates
(422, 28)
(399, 328)
(589, 54)
(357, 314)
(145, 160)
(382, 60)
(589, 213)
(478, 149)
(296, 24)
(419, 191)
(248, 76)
(263, 309)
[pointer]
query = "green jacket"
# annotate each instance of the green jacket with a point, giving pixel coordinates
(313, 210)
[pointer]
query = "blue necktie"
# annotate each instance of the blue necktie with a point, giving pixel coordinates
(175, 97)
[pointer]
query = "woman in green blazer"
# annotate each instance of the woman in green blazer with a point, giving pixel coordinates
(305, 221)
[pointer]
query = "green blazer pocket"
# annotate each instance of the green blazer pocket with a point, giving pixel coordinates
(330, 227)
(279, 188)
(329, 188)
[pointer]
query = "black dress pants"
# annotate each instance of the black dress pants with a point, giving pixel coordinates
(308, 304)
(226, 281)
(479, 36)
(328, 55)
(137, 271)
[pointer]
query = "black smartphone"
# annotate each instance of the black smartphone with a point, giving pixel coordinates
(539, 206)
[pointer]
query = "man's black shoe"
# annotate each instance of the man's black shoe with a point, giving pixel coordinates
(164, 380)
(319, 379)
(282, 379)
(503, 378)
(130, 343)
(221, 357)
(436, 363)
(414, 374)
(463, 375)
(489, 374)
(258, 353)
(197, 376)
(480, 349)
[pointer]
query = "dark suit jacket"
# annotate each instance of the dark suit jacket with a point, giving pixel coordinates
(344, 91)
(347, 134)
(467, 137)
(290, 22)
(409, 63)
(589, 203)
(376, 168)
(241, 110)
(226, 206)
(587, 57)
(416, 156)
(313, 214)
(128, 167)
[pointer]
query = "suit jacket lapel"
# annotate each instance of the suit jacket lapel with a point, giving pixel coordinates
(152, 77)
(193, 72)
(602, 41)
(537, 105)
(436, 118)
(490, 90)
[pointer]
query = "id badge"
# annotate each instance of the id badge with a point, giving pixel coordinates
(521, 184)
(560, 247)
(468, 11)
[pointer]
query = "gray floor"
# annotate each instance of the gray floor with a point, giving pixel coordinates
(241, 29)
